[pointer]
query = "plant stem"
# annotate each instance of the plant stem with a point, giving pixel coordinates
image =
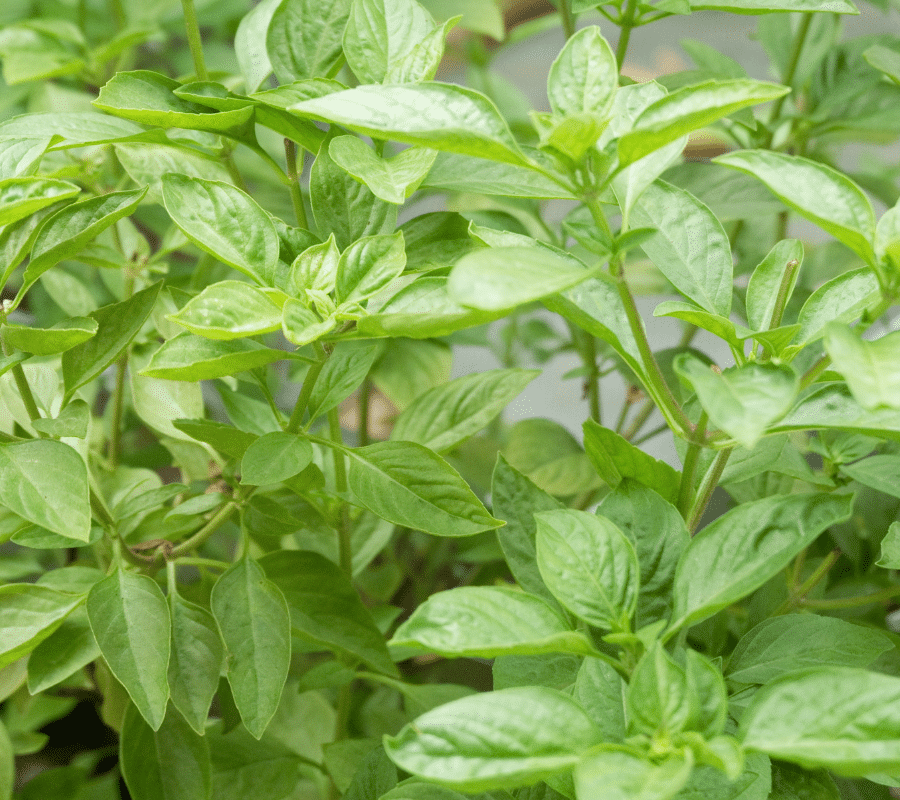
(192, 27)
(798, 596)
(309, 381)
(650, 434)
(854, 602)
(707, 487)
(345, 551)
(686, 489)
(790, 71)
(24, 389)
(567, 18)
(626, 23)
(118, 398)
(365, 396)
(290, 155)
(215, 522)
(644, 413)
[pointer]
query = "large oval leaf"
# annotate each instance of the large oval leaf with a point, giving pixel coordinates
(229, 310)
(28, 615)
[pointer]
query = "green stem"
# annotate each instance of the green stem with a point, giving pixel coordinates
(623, 415)
(854, 602)
(22, 385)
(192, 27)
(707, 487)
(290, 154)
(345, 550)
(118, 398)
(567, 18)
(650, 434)
(790, 71)
(215, 522)
(209, 563)
(798, 596)
(296, 420)
(626, 23)
(691, 459)
(644, 413)
(365, 396)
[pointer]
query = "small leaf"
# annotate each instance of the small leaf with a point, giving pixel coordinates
(766, 280)
(315, 268)
(390, 179)
(831, 407)
(625, 776)
(871, 368)
(302, 325)
(21, 197)
(461, 173)
(47, 341)
(253, 617)
(74, 420)
(368, 265)
(488, 621)
(346, 368)
(303, 39)
(229, 310)
(130, 620)
(584, 77)
(600, 691)
(495, 740)
(657, 697)
(186, 357)
(842, 299)
(589, 565)
(881, 473)
(30, 613)
(224, 222)
(818, 192)
(841, 718)
(275, 457)
(65, 651)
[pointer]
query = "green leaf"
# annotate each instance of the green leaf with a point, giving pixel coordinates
(841, 718)
(315, 268)
(325, 607)
(302, 325)
(657, 697)
(716, 324)
(624, 776)
(74, 420)
(46, 482)
(495, 740)
(754, 783)
(690, 246)
(871, 368)
(117, 325)
(785, 644)
(30, 613)
(658, 546)
(501, 278)
(790, 782)
(130, 620)
(64, 335)
(21, 197)
(186, 357)
(390, 179)
(7, 765)
(254, 620)
(600, 692)
(66, 232)
(274, 458)
(584, 77)
(148, 98)
(589, 565)
(766, 280)
(250, 44)
(196, 661)
(65, 651)
(76, 128)
(690, 109)
(157, 402)
(409, 485)
(376, 776)
(832, 407)
(745, 547)
(488, 621)
(224, 222)
(818, 192)
(742, 401)
(171, 763)
(346, 368)
(228, 440)
(881, 473)
(229, 310)
(442, 116)
(616, 459)
(842, 299)
(516, 500)
(447, 415)
(368, 265)
(304, 38)
(462, 173)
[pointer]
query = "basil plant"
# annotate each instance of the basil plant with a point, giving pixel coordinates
(256, 540)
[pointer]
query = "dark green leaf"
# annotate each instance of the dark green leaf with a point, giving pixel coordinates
(346, 368)
(46, 341)
(275, 457)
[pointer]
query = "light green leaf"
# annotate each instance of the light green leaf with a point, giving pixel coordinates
(70, 229)
(304, 39)
(325, 607)
(590, 566)
(20, 197)
(462, 173)
(617, 774)
(390, 179)
(46, 341)
(171, 763)
(250, 44)
(346, 368)
(148, 97)
(495, 740)
(841, 718)
(254, 620)
(745, 547)
(228, 440)
(147, 162)
(74, 420)
(408, 484)
(842, 299)
(818, 192)
(301, 325)
(442, 116)
(275, 457)
(158, 402)
(765, 6)
(29, 613)
(229, 310)
(46, 482)
(742, 401)
(871, 368)
(447, 415)
(117, 325)
(690, 246)
(19, 156)
(657, 698)
(584, 77)
(616, 459)
(368, 265)
(196, 661)
(65, 651)
(500, 278)
(881, 473)
(76, 128)
(600, 691)
(488, 621)
(831, 407)
(17, 239)
(315, 268)
(766, 281)
(225, 222)
(716, 324)
(479, 16)
(130, 620)
(186, 357)
(785, 644)
(7, 765)
(690, 109)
